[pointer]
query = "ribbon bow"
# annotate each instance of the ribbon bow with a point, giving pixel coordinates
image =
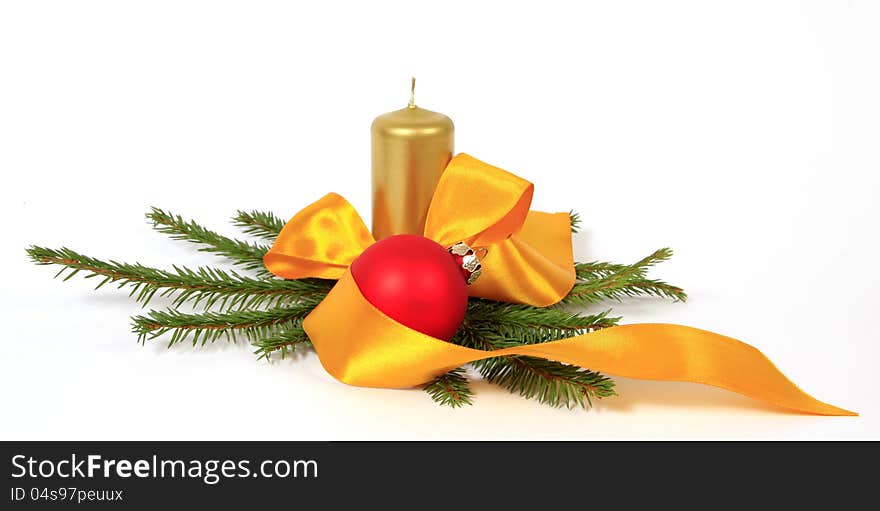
(530, 261)
(474, 202)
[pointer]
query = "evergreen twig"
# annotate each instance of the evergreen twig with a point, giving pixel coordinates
(599, 281)
(247, 255)
(487, 317)
(258, 223)
(597, 270)
(284, 342)
(269, 312)
(209, 326)
(550, 382)
(450, 389)
(492, 325)
(203, 286)
(575, 221)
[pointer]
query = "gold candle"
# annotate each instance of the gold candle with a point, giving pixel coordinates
(411, 147)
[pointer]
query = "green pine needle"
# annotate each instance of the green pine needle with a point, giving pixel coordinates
(207, 327)
(258, 223)
(450, 389)
(206, 287)
(490, 318)
(551, 383)
(575, 221)
(599, 281)
(269, 312)
(247, 255)
(492, 325)
(282, 343)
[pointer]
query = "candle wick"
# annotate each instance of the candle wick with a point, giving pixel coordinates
(412, 93)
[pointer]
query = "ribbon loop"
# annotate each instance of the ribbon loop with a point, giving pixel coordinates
(477, 203)
(529, 257)
(534, 266)
(320, 241)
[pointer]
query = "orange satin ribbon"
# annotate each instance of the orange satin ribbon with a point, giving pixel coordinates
(529, 252)
(529, 261)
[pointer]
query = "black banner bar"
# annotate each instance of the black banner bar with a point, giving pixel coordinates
(330, 474)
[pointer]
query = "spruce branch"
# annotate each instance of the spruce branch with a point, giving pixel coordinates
(258, 223)
(596, 270)
(598, 281)
(247, 255)
(549, 382)
(575, 221)
(203, 286)
(450, 389)
(269, 312)
(492, 325)
(283, 342)
(210, 326)
(520, 321)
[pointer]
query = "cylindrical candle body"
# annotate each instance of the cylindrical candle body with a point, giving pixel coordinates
(411, 147)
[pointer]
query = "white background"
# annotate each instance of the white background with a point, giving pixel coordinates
(742, 134)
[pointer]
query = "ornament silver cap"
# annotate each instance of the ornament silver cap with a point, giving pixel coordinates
(470, 260)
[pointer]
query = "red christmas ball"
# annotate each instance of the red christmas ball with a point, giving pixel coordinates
(415, 281)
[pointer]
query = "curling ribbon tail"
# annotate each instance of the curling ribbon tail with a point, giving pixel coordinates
(370, 349)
